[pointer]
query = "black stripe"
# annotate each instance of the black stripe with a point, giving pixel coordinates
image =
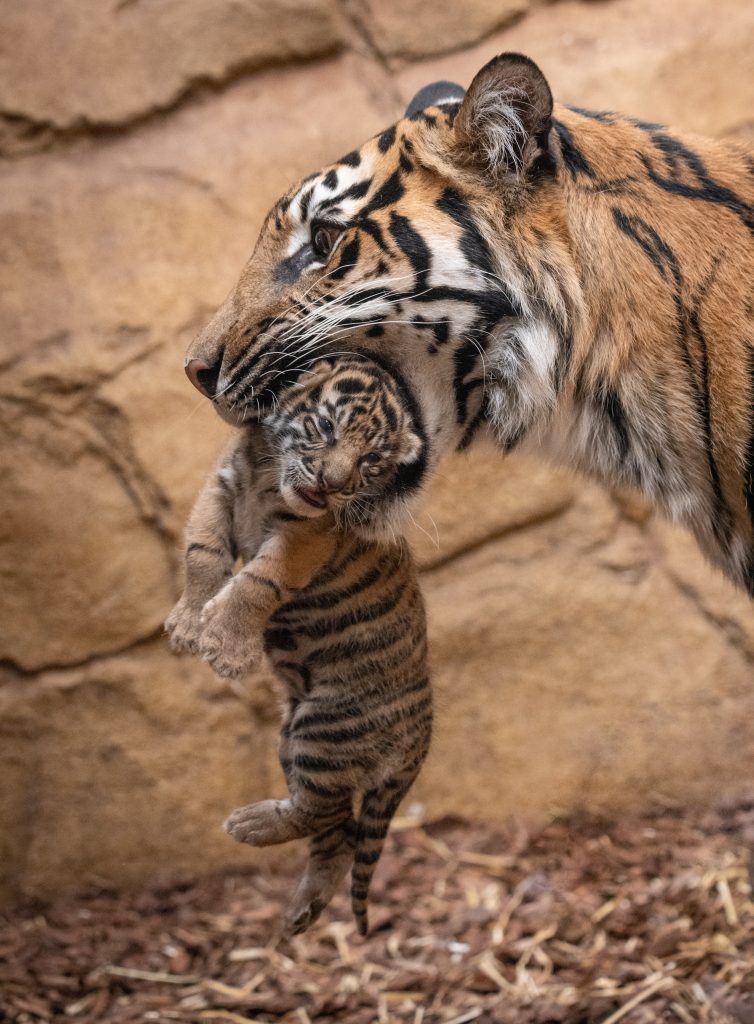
(386, 139)
(329, 793)
(333, 716)
(349, 255)
(412, 245)
(373, 228)
(749, 467)
(612, 407)
(306, 198)
(280, 639)
(575, 161)
(356, 191)
(353, 648)
(678, 157)
(263, 581)
(364, 614)
(384, 569)
(388, 193)
(374, 831)
(378, 723)
(312, 763)
(367, 857)
(473, 243)
(206, 549)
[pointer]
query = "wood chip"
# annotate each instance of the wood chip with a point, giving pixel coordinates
(640, 921)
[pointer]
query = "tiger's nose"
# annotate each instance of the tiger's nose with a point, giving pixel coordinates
(203, 376)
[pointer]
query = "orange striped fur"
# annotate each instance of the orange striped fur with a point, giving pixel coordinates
(572, 282)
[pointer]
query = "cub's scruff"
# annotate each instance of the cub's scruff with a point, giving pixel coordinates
(340, 616)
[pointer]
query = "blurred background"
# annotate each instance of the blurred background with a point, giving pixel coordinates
(584, 656)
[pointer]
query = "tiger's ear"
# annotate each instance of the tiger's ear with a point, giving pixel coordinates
(504, 122)
(411, 447)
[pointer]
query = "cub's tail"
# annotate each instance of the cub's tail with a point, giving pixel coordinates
(377, 809)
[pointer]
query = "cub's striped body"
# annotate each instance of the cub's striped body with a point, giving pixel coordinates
(578, 283)
(341, 617)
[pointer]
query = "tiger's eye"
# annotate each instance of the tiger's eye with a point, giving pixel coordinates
(323, 241)
(372, 459)
(326, 426)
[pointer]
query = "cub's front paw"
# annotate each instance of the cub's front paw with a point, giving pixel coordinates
(183, 627)
(230, 640)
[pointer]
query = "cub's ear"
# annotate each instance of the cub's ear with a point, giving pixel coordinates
(411, 447)
(317, 373)
(503, 125)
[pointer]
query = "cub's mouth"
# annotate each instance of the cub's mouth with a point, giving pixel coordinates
(312, 497)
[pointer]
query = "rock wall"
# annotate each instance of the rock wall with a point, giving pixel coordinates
(584, 655)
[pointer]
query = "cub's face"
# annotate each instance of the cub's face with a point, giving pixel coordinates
(345, 443)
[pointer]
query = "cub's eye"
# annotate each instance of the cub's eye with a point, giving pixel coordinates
(326, 426)
(372, 459)
(324, 238)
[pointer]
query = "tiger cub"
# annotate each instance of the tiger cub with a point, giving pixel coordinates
(340, 616)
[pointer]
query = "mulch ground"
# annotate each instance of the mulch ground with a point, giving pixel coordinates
(642, 921)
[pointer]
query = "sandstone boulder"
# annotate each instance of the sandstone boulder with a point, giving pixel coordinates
(424, 27)
(572, 670)
(125, 769)
(82, 63)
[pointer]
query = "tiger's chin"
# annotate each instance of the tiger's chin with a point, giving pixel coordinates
(235, 417)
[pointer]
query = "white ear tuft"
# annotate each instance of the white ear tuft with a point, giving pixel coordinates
(505, 118)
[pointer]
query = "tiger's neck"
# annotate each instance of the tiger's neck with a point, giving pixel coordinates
(658, 392)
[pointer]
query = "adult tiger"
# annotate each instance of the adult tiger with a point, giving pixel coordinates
(581, 282)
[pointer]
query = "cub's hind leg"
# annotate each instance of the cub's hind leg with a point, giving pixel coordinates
(330, 857)
(304, 813)
(318, 800)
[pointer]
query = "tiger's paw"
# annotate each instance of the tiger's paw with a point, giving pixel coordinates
(184, 627)
(230, 639)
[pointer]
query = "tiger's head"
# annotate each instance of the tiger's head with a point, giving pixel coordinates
(345, 442)
(439, 243)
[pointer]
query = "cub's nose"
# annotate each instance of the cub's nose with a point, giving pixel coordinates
(329, 481)
(203, 376)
